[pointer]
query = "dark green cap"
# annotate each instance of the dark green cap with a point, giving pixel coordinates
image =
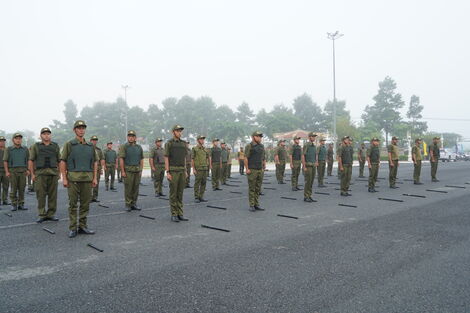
(394, 138)
(418, 139)
(312, 134)
(2, 138)
(437, 138)
(109, 143)
(17, 135)
(79, 123)
(158, 139)
(177, 127)
(201, 137)
(346, 137)
(322, 139)
(215, 139)
(257, 133)
(375, 139)
(131, 133)
(45, 130)
(296, 137)
(94, 138)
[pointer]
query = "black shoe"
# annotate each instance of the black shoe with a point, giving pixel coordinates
(107, 189)
(5, 203)
(175, 219)
(348, 194)
(258, 208)
(128, 208)
(95, 200)
(14, 208)
(52, 218)
(295, 189)
(182, 218)
(72, 233)
(112, 188)
(373, 190)
(197, 200)
(308, 200)
(187, 186)
(203, 200)
(157, 195)
(370, 190)
(261, 193)
(22, 208)
(252, 209)
(344, 194)
(41, 219)
(282, 182)
(218, 188)
(161, 194)
(86, 231)
(135, 207)
(418, 183)
(394, 187)
(224, 184)
(321, 186)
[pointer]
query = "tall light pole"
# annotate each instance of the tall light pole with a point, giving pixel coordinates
(125, 100)
(333, 37)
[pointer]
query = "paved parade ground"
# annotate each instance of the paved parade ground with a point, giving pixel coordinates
(408, 255)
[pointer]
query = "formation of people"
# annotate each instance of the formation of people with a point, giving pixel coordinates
(81, 163)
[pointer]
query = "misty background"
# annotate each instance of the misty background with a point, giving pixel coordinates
(262, 53)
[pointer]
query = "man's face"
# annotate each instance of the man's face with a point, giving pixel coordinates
(257, 139)
(177, 133)
(131, 139)
(241, 149)
(322, 143)
(394, 141)
(200, 141)
(346, 142)
(158, 144)
(296, 141)
(363, 145)
(311, 138)
(80, 131)
(215, 143)
(375, 143)
(17, 141)
(94, 142)
(46, 136)
(282, 143)
(435, 141)
(223, 146)
(418, 142)
(110, 146)
(2, 143)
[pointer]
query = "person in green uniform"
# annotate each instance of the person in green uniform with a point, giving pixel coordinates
(280, 158)
(434, 156)
(110, 159)
(200, 161)
(157, 164)
(393, 157)
(216, 164)
(330, 159)
(78, 167)
(101, 165)
(118, 170)
(223, 159)
(295, 163)
(229, 162)
(175, 166)
(373, 163)
(361, 157)
(345, 161)
(417, 157)
(30, 182)
(4, 181)
(131, 157)
(309, 165)
(15, 161)
(255, 163)
(188, 165)
(241, 161)
(322, 157)
(44, 160)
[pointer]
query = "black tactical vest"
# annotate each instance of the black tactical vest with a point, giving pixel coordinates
(133, 155)
(374, 155)
(255, 160)
(216, 154)
(296, 152)
(47, 155)
(347, 154)
(177, 155)
(17, 157)
(110, 156)
(81, 157)
(1, 158)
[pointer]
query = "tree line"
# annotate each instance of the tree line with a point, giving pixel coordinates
(388, 115)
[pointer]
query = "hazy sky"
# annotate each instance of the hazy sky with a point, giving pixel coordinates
(262, 52)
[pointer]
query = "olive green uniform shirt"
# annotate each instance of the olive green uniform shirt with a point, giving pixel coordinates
(158, 156)
(416, 151)
(393, 149)
(201, 157)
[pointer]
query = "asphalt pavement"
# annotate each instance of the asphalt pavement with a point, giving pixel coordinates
(404, 254)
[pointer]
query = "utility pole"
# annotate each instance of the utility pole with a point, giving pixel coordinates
(333, 37)
(127, 109)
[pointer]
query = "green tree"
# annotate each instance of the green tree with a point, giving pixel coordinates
(414, 114)
(280, 119)
(385, 111)
(309, 113)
